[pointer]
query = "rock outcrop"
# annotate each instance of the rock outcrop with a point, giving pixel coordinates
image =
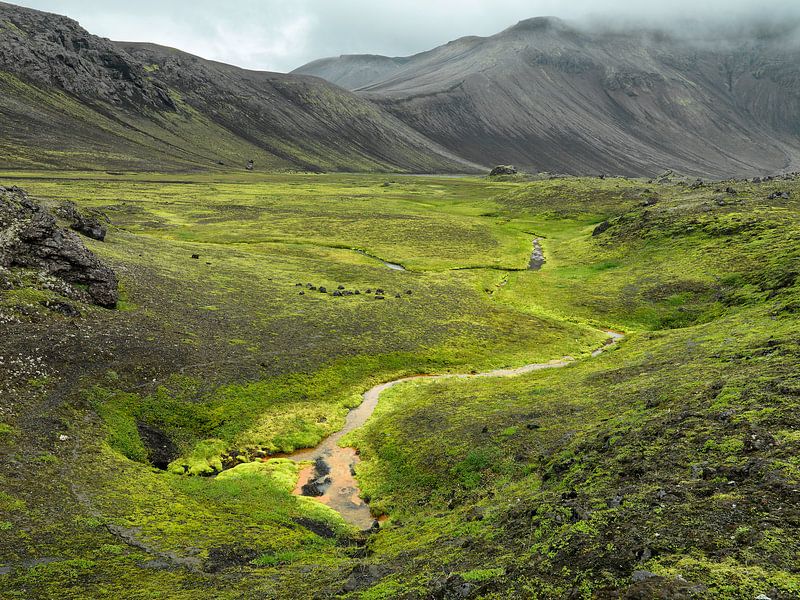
(55, 51)
(70, 99)
(31, 238)
(503, 170)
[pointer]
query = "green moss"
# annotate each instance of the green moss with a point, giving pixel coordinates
(671, 452)
(204, 459)
(283, 472)
(6, 432)
(9, 503)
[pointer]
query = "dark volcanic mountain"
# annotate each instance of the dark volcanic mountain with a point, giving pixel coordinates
(545, 95)
(71, 99)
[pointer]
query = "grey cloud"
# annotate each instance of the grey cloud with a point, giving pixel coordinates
(281, 35)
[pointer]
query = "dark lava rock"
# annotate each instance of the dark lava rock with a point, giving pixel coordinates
(321, 482)
(602, 228)
(364, 576)
(503, 170)
(452, 586)
(316, 488)
(649, 586)
(250, 165)
(90, 227)
(323, 290)
(337, 294)
(62, 308)
(779, 195)
(68, 211)
(196, 256)
(31, 238)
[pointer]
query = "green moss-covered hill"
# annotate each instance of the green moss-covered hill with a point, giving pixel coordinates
(663, 468)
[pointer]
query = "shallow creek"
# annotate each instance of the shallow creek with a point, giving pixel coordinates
(331, 478)
(392, 266)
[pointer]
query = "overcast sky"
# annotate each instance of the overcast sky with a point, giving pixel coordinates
(280, 35)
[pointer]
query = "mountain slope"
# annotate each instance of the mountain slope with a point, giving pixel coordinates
(71, 99)
(548, 96)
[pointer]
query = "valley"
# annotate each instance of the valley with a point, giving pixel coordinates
(155, 438)
(512, 317)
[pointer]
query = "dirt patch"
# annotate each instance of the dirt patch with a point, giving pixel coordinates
(161, 450)
(317, 527)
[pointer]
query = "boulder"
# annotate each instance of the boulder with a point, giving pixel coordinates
(602, 228)
(62, 308)
(31, 238)
(90, 227)
(779, 195)
(503, 170)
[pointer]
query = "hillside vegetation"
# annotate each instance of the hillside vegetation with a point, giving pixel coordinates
(665, 467)
(69, 99)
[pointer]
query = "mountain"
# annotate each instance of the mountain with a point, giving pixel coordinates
(69, 99)
(550, 96)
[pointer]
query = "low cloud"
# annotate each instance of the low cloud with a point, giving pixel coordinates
(274, 35)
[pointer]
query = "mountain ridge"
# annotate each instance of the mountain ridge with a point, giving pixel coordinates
(549, 96)
(69, 99)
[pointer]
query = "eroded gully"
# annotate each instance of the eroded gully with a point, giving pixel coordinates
(331, 476)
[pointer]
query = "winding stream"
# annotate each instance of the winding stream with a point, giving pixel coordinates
(392, 266)
(537, 256)
(331, 478)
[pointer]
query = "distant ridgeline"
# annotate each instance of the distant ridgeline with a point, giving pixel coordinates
(542, 95)
(547, 96)
(69, 99)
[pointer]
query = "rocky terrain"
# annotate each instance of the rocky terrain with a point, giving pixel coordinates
(31, 239)
(221, 378)
(546, 95)
(69, 99)
(145, 451)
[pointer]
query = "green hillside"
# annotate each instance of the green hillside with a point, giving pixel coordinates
(666, 465)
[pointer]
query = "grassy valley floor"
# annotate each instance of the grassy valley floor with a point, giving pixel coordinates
(138, 445)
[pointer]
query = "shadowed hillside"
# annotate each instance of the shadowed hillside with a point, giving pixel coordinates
(71, 99)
